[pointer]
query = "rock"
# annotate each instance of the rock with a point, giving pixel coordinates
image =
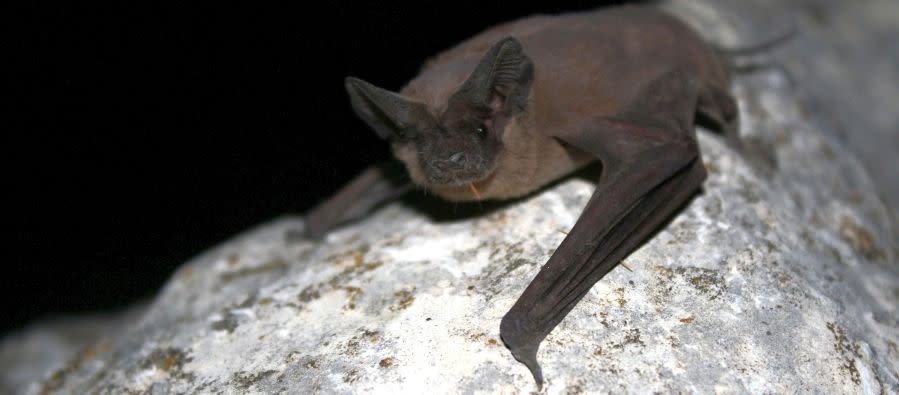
(842, 63)
(50, 346)
(778, 281)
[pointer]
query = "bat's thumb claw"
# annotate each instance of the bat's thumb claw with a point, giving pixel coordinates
(522, 346)
(529, 358)
(535, 370)
(527, 354)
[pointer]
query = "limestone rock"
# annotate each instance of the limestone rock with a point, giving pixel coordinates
(767, 282)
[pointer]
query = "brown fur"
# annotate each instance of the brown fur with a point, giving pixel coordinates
(586, 64)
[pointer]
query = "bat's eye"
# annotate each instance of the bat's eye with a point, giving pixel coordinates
(481, 130)
(404, 134)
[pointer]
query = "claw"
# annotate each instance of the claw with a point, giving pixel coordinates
(529, 359)
(523, 350)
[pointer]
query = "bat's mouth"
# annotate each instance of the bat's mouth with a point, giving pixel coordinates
(456, 178)
(459, 168)
(463, 189)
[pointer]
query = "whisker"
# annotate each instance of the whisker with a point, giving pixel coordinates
(475, 191)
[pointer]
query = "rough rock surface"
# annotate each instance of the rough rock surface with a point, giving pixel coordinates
(843, 63)
(777, 280)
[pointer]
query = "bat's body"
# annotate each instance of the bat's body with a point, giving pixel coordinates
(527, 102)
(585, 64)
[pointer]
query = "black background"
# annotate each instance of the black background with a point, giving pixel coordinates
(143, 134)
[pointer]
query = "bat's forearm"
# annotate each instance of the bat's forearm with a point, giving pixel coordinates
(651, 165)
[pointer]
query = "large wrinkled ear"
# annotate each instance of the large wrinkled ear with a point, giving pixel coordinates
(389, 114)
(501, 82)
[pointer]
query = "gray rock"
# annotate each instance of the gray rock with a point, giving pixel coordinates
(769, 281)
(844, 64)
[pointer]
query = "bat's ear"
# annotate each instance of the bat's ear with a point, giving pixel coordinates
(500, 84)
(389, 114)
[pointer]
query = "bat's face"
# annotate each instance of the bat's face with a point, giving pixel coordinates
(455, 150)
(459, 145)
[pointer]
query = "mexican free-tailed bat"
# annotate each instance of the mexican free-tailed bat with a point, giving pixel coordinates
(527, 102)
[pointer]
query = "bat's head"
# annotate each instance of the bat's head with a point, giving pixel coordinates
(458, 143)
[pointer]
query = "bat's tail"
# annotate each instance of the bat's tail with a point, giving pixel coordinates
(763, 46)
(741, 60)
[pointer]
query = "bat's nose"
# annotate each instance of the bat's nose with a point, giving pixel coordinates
(453, 162)
(457, 159)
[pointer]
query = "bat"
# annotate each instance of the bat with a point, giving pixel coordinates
(527, 102)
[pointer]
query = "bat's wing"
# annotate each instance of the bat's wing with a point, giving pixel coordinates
(374, 186)
(651, 166)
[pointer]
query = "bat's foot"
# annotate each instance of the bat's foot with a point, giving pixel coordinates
(295, 235)
(760, 155)
(305, 233)
(523, 349)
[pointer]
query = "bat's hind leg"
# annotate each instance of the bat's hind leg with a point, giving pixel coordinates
(718, 110)
(651, 166)
(376, 185)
